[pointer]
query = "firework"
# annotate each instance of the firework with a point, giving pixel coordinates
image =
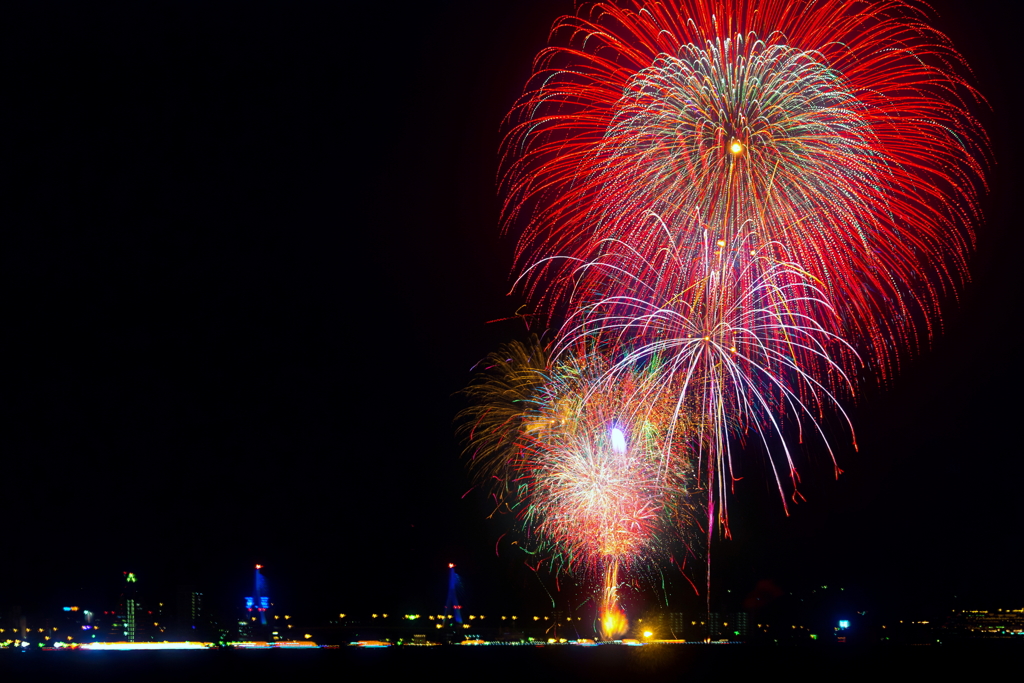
(733, 343)
(588, 498)
(594, 489)
(504, 398)
(718, 199)
(581, 463)
(582, 468)
(838, 125)
(611, 617)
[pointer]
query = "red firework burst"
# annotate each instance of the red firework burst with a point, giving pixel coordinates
(838, 128)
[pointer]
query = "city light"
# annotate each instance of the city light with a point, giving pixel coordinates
(371, 643)
(139, 633)
(146, 646)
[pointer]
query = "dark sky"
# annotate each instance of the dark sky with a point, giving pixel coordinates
(249, 253)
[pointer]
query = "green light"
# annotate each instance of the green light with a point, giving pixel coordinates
(131, 577)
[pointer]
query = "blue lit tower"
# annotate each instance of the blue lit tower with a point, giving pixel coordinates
(452, 604)
(259, 601)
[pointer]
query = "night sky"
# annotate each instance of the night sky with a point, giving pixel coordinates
(249, 255)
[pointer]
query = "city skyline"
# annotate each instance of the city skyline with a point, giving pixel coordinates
(140, 617)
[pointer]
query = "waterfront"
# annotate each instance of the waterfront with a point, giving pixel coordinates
(649, 663)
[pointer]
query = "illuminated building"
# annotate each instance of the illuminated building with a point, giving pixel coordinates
(678, 626)
(738, 625)
(714, 624)
(260, 602)
(727, 626)
(452, 607)
(190, 619)
(988, 624)
(17, 622)
(129, 607)
(129, 622)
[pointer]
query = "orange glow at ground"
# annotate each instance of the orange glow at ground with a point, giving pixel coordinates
(613, 623)
(613, 620)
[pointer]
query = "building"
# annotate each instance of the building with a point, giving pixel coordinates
(727, 626)
(988, 624)
(189, 617)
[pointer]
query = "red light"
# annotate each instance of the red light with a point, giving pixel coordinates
(259, 566)
(451, 565)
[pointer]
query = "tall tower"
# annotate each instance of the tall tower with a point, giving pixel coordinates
(129, 608)
(189, 615)
(260, 600)
(452, 604)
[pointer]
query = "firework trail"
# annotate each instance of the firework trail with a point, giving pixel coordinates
(733, 345)
(718, 199)
(580, 463)
(613, 621)
(503, 407)
(595, 491)
(578, 459)
(591, 474)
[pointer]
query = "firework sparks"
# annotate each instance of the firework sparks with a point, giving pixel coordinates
(503, 408)
(591, 483)
(714, 196)
(731, 342)
(612, 619)
(839, 126)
